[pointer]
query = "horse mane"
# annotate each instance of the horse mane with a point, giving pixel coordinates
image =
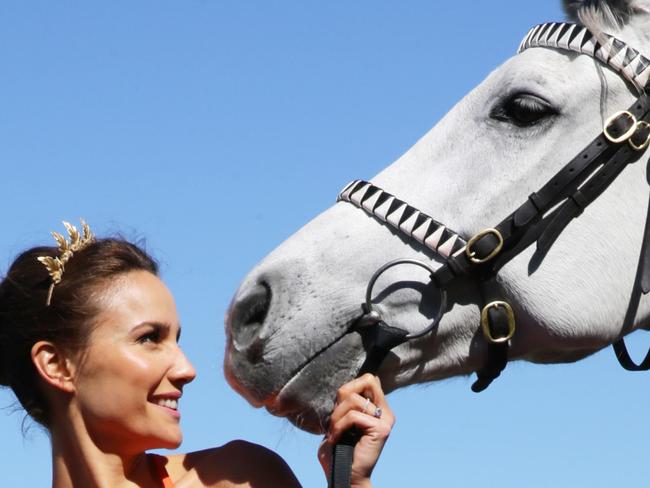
(601, 15)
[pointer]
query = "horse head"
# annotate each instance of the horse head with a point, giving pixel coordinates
(290, 327)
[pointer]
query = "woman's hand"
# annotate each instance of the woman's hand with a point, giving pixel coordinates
(361, 404)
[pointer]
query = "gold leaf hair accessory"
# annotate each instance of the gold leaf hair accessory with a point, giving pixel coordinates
(56, 266)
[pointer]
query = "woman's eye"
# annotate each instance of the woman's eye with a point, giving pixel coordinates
(149, 337)
(523, 110)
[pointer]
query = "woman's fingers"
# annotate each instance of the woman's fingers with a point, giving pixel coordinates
(363, 394)
(361, 403)
(366, 385)
(377, 428)
(353, 401)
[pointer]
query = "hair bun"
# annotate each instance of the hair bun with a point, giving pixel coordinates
(4, 380)
(4, 340)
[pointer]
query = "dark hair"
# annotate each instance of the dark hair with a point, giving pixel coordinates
(26, 319)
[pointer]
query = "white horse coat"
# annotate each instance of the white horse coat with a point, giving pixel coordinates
(287, 347)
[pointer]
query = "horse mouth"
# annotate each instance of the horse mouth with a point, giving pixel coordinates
(307, 398)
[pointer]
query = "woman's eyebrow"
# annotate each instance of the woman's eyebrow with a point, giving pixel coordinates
(163, 326)
(153, 323)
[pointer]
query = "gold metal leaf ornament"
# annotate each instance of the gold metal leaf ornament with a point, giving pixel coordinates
(75, 238)
(88, 235)
(55, 266)
(60, 240)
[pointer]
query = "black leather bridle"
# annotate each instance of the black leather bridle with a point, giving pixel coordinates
(540, 219)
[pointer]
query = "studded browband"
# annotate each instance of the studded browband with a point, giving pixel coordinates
(625, 60)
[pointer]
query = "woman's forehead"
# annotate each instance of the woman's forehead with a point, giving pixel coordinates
(135, 298)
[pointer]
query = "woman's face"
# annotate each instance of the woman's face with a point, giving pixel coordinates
(130, 378)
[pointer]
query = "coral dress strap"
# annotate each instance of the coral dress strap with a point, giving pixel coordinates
(161, 471)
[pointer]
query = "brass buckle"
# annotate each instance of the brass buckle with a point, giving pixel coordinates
(485, 322)
(472, 255)
(645, 126)
(628, 133)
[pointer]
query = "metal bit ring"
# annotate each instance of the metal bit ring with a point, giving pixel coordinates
(421, 264)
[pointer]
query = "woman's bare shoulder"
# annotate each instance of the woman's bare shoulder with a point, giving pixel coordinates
(236, 464)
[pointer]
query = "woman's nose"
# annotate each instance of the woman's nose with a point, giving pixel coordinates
(183, 370)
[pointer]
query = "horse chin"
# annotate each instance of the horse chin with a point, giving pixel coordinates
(554, 357)
(307, 399)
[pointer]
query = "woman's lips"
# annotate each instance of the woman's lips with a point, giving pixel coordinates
(169, 403)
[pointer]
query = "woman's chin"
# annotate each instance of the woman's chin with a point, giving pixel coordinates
(171, 441)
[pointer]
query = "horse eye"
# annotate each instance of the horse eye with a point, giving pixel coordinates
(523, 110)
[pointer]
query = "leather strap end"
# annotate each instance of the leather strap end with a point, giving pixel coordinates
(481, 384)
(527, 212)
(569, 210)
(645, 281)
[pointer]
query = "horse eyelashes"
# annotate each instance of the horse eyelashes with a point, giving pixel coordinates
(523, 110)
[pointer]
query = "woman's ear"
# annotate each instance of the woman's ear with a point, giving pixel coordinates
(53, 366)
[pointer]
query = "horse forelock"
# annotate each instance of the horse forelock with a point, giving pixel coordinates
(603, 15)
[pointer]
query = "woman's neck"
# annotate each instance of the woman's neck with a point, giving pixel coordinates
(78, 461)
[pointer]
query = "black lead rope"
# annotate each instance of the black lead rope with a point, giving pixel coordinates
(378, 339)
(381, 339)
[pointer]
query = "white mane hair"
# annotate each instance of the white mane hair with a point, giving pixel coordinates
(610, 14)
(607, 16)
(604, 15)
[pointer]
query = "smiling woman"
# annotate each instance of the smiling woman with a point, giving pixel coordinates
(89, 345)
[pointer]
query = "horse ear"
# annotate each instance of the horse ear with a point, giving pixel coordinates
(614, 12)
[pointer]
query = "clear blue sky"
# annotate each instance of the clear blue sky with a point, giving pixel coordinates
(201, 126)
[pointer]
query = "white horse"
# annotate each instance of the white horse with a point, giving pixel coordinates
(288, 347)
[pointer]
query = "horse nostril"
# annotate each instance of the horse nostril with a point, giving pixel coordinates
(247, 316)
